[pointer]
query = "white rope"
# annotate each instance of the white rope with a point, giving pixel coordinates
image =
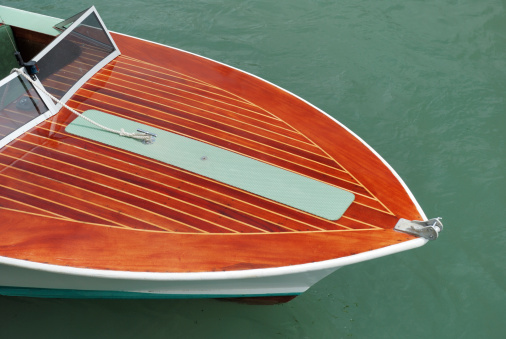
(121, 132)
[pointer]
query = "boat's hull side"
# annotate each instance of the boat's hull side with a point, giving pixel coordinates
(22, 281)
(84, 294)
(25, 278)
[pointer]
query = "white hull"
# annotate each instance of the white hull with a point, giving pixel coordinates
(19, 277)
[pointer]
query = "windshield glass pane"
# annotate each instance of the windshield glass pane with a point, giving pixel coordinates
(74, 56)
(19, 103)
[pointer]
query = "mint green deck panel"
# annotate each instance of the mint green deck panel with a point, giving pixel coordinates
(219, 164)
(28, 20)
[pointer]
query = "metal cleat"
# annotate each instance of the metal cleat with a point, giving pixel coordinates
(426, 229)
(151, 137)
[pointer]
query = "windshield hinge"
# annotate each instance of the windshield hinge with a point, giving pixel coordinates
(426, 229)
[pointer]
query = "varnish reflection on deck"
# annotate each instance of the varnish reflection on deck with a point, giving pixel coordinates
(50, 174)
(133, 90)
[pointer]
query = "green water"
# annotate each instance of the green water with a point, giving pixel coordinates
(424, 83)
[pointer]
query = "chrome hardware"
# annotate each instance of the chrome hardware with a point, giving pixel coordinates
(150, 140)
(426, 229)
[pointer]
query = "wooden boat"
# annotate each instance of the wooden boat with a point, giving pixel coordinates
(235, 187)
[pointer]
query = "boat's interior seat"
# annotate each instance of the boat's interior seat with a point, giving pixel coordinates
(7, 59)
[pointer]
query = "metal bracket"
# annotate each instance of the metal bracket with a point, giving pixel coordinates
(426, 229)
(150, 140)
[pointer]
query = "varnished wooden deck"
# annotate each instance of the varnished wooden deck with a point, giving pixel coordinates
(52, 181)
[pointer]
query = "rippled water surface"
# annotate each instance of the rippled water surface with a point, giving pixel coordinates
(424, 83)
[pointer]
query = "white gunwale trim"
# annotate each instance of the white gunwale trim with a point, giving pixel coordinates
(413, 199)
(195, 276)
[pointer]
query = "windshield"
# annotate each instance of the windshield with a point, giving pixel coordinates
(64, 65)
(74, 56)
(19, 104)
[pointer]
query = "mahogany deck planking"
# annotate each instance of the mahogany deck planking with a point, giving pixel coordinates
(103, 247)
(50, 177)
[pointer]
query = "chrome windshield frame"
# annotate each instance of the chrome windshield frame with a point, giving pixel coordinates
(92, 71)
(32, 123)
(55, 108)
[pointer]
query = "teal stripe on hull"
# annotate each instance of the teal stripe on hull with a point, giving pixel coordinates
(219, 164)
(83, 294)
